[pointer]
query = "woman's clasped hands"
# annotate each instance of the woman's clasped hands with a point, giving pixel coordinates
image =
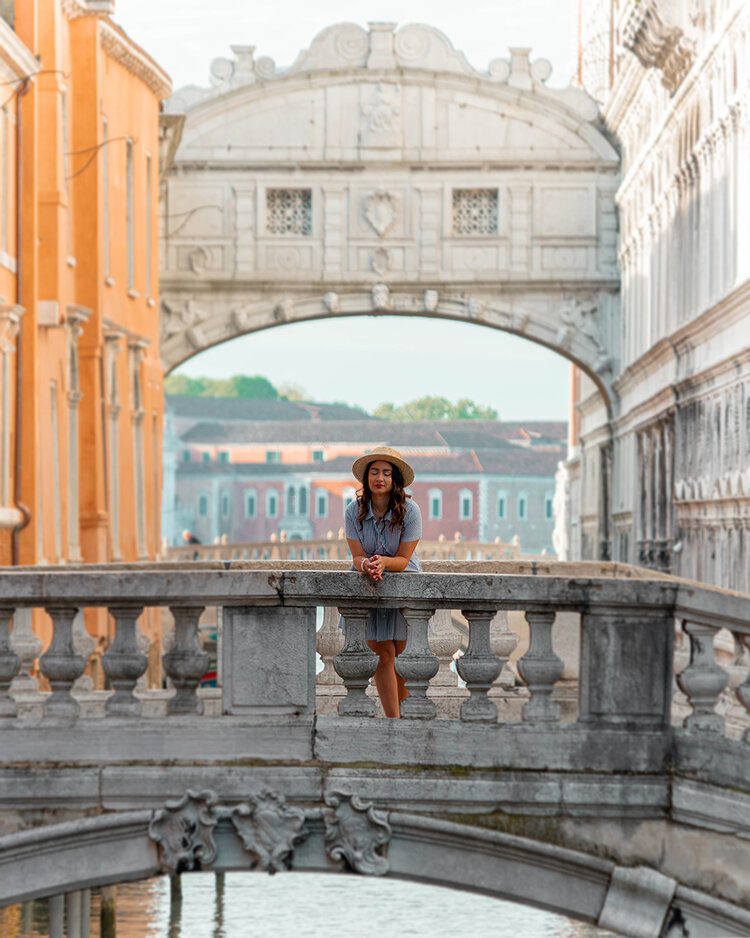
(374, 567)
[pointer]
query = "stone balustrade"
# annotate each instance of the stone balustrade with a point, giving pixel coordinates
(336, 548)
(626, 649)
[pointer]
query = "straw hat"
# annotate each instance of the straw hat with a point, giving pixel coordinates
(387, 455)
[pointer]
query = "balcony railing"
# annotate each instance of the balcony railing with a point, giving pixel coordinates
(626, 643)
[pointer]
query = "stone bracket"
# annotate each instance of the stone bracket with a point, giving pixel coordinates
(637, 902)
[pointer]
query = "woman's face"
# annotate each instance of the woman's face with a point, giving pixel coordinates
(380, 477)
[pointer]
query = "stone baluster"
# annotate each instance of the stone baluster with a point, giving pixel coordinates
(61, 665)
(479, 667)
(417, 665)
(9, 663)
(124, 663)
(84, 645)
(703, 680)
(186, 662)
(27, 646)
(329, 643)
(503, 642)
(540, 669)
(444, 641)
(743, 691)
(356, 664)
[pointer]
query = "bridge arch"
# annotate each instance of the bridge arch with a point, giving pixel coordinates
(115, 848)
(381, 173)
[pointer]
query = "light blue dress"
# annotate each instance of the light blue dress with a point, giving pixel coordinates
(379, 536)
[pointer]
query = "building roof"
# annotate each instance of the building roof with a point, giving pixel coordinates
(511, 461)
(241, 409)
(438, 434)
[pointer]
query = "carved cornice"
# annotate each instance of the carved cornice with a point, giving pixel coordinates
(123, 50)
(654, 36)
(10, 324)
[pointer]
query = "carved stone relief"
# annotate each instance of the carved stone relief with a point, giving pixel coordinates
(183, 831)
(381, 297)
(381, 211)
(381, 111)
(356, 833)
(186, 320)
(269, 830)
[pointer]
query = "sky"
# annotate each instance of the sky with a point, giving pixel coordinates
(357, 364)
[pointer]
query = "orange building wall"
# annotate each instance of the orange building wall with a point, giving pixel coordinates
(89, 71)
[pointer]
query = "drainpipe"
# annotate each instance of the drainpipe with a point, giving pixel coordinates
(17, 455)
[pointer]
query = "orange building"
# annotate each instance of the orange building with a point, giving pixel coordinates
(80, 371)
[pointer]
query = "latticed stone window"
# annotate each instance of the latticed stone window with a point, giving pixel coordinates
(475, 211)
(289, 211)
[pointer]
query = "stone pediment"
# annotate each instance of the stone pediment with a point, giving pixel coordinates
(377, 82)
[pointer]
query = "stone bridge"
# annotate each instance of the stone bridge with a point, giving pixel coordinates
(634, 814)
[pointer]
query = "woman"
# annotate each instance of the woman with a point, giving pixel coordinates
(383, 527)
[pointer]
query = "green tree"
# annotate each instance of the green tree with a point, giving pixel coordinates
(435, 408)
(246, 386)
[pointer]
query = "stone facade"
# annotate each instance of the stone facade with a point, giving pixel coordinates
(675, 470)
(244, 480)
(401, 180)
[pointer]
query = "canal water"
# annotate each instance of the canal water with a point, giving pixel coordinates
(306, 905)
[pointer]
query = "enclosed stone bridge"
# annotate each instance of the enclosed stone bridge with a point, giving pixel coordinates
(633, 812)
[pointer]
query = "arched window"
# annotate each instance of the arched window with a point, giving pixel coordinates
(272, 503)
(291, 500)
(502, 506)
(251, 503)
(203, 505)
(522, 507)
(225, 503)
(349, 496)
(465, 505)
(435, 501)
(321, 503)
(303, 501)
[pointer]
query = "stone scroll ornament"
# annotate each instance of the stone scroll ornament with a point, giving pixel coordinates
(269, 830)
(357, 833)
(183, 831)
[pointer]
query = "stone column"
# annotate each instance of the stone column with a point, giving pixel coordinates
(123, 662)
(61, 665)
(703, 680)
(479, 668)
(416, 664)
(356, 664)
(9, 662)
(186, 663)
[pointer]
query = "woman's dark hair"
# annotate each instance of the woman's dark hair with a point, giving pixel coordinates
(396, 500)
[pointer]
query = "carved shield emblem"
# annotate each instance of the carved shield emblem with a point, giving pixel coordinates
(380, 211)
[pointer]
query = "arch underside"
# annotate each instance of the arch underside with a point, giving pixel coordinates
(117, 848)
(565, 321)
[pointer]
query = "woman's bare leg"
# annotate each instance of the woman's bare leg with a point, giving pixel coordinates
(403, 693)
(386, 679)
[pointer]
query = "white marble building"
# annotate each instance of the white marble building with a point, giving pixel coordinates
(382, 173)
(673, 79)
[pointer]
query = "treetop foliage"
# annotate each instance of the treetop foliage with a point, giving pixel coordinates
(247, 386)
(435, 408)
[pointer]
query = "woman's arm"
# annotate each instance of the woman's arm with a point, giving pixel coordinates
(359, 557)
(395, 564)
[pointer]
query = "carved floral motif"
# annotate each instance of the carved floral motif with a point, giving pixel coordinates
(183, 831)
(356, 833)
(185, 320)
(269, 830)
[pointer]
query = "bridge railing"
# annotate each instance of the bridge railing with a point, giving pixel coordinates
(627, 631)
(336, 548)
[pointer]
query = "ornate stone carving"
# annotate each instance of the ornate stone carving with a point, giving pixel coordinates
(283, 310)
(118, 47)
(382, 113)
(381, 211)
(185, 320)
(474, 307)
(655, 34)
(581, 317)
(331, 302)
(381, 297)
(199, 260)
(269, 830)
(381, 261)
(356, 833)
(184, 832)
(430, 300)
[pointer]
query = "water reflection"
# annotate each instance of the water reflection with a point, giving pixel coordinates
(311, 905)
